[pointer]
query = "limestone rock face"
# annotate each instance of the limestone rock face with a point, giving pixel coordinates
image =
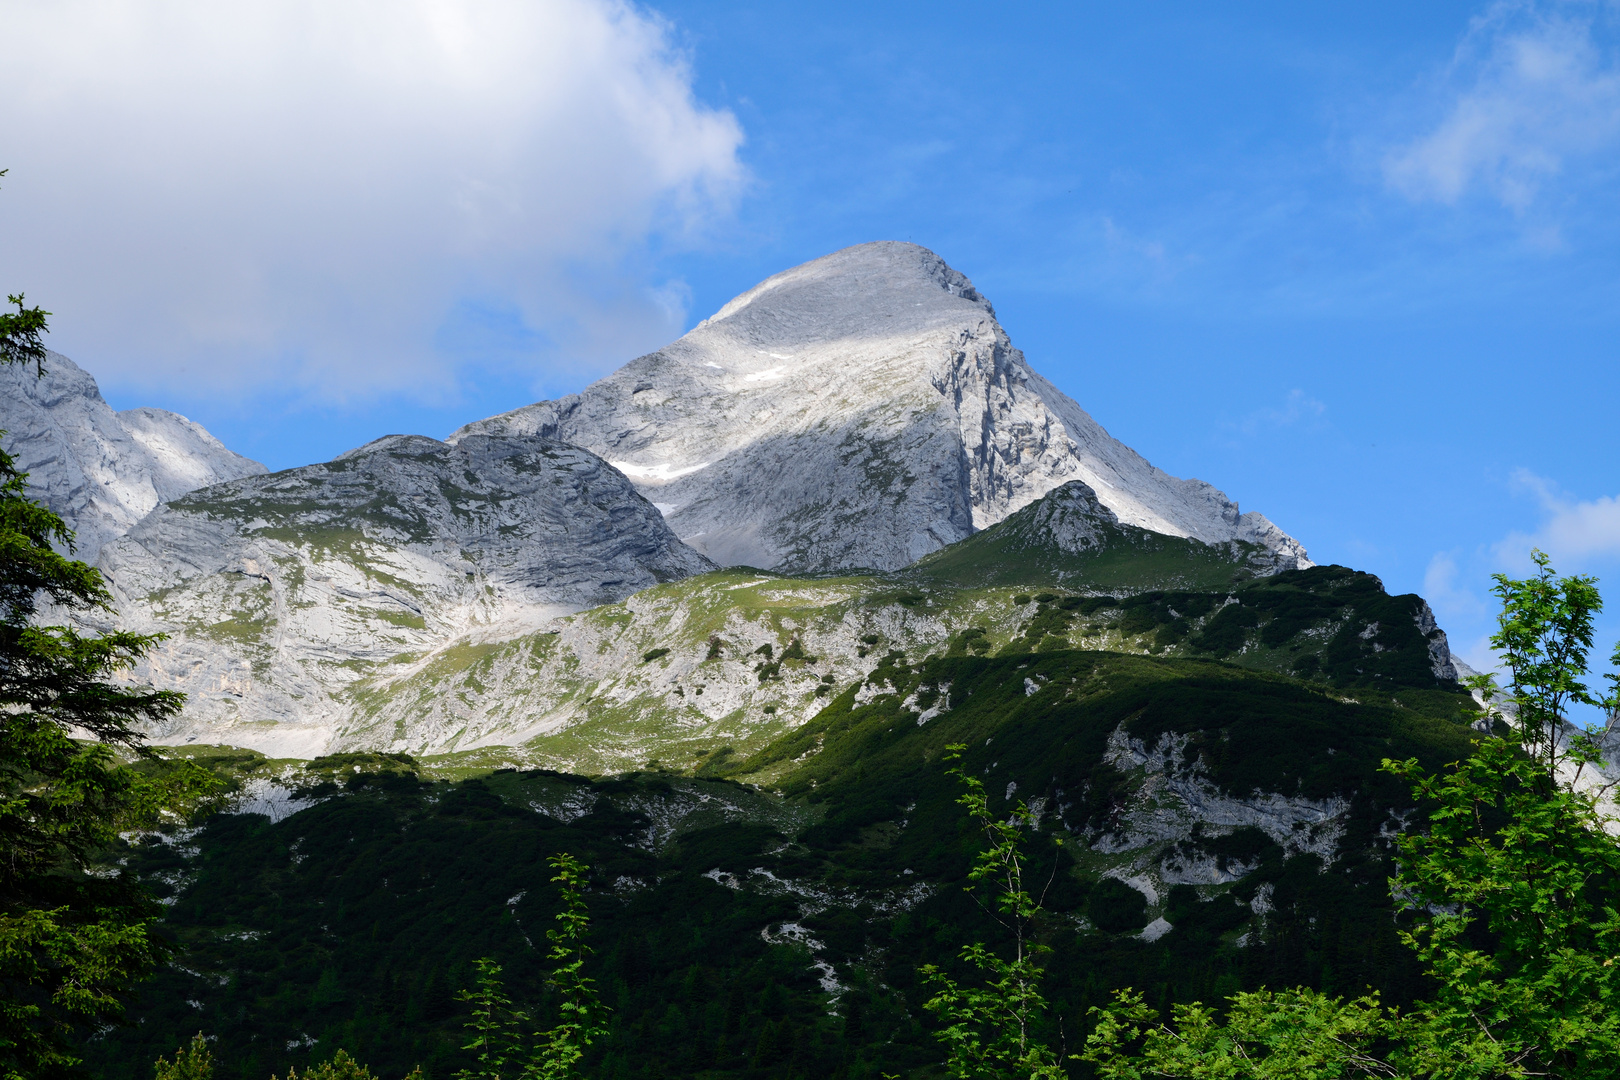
(282, 592)
(861, 410)
(1071, 518)
(100, 470)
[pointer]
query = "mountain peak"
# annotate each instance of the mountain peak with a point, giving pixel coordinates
(861, 410)
(101, 471)
(852, 291)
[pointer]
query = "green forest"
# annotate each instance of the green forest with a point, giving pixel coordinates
(352, 924)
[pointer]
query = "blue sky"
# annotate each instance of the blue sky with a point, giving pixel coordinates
(1355, 264)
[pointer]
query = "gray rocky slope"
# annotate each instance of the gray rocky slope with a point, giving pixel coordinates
(282, 593)
(100, 470)
(858, 411)
(861, 410)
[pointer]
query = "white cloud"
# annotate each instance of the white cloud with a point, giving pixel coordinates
(315, 194)
(1573, 531)
(1528, 89)
(1581, 535)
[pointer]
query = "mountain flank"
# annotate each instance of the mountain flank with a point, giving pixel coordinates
(282, 591)
(857, 435)
(861, 411)
(878, 537)
(1222, 829)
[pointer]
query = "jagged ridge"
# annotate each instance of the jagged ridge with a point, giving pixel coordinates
(102, 471)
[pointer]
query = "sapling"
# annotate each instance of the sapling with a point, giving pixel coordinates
(990, 1028)
(498, 1042)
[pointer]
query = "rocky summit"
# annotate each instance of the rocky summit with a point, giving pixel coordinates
(102, 471)
(861, 410)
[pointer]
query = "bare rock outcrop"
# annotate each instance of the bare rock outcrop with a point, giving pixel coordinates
(282, 592)
(100, 470)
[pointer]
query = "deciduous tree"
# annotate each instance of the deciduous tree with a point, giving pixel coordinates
(1512, 885)
(1516, 878)
(499, 1044)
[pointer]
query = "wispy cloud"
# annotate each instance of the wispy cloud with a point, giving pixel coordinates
(315, 195)
(1142, 257)
(1529, 89)
(1297, 408)
(1572, 530)
(1448, 595)
(1464, 612)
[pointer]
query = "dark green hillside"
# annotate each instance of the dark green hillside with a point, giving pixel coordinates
(353, 922)
(1328, 624)
(1069, 539)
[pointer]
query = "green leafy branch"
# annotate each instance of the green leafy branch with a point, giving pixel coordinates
(989, 1027)
(498, 1028)
(1290, 1035)
(1512, 888)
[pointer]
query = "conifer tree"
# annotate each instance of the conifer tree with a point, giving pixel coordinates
(191, 1062)
(71, 940)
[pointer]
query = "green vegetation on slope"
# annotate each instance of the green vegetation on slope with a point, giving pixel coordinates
(720, 909)
(1127, 559)
(679, 671)
(1205, 740)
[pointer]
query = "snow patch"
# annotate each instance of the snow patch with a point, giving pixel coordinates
(661, 471)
